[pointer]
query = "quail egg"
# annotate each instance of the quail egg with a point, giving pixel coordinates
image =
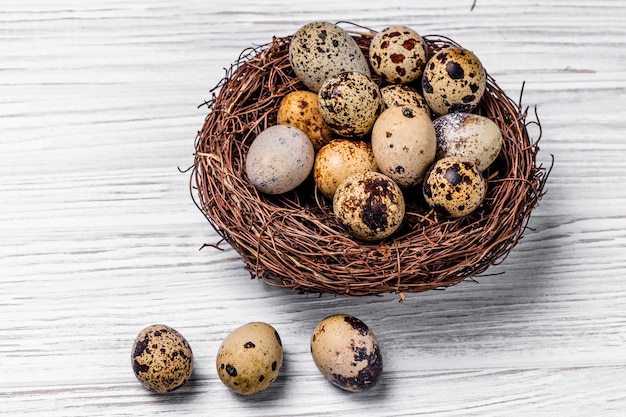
(339, 159)
(404, 144)
(454, 187)
(250, 357)
(398, 53)
(454, 80)
(404, 95)
(347, 353)
(369, 205)
(319, 50)
(301, 109)
(279, 159)
(350, 102)
(470, 135)
(162, 359)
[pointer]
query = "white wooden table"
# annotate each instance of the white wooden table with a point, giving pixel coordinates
(99, 236)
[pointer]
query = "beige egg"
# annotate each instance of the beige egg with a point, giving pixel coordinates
(404, 95)
(340, 159)
(454, 81)
(250, 357)
(162, 359)
(349, 103)
(369, 205)
(301, 109)
(279, 159)
(347, 352)
(469, 135)
(319, 50)
(398, 53)
(454, 187)
(404, 144)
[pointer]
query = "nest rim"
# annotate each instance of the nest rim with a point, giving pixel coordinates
(293, 240)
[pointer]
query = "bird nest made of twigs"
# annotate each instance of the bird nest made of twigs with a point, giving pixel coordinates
(293, 240)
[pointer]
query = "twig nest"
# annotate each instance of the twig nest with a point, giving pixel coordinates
(295, 240)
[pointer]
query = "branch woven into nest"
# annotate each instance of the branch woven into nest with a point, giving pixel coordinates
(294, 241)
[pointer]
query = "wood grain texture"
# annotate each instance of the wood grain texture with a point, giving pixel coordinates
(100, 238)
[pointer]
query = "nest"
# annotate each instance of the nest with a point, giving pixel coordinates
(294, 241)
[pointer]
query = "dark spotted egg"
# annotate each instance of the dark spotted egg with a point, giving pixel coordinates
(398, 54)
(347, 353)
(349, 103)
(162, 359)
(454, 80)
(319, 50)
(369, 205)
(250, 358)
(404, 95)
(454, 187)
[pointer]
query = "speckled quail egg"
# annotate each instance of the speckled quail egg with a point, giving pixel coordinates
(398, 53)
(162, 359)
(279, 159)
(319, 50)
(454, 80)
(250, 357)
(301, 109)
(404, 144)
(454, 187)
(470, 135)
(369, 205)
(350, 102)
(404, 95)
(339, 159)
(347, 353)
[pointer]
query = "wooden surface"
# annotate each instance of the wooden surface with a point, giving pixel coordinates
(100, 237)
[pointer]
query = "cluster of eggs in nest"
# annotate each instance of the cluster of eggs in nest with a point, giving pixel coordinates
(367, 143)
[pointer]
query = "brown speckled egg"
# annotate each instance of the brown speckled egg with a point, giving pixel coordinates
(349, 103)
(161, 358)
(454, 81)
(398, 53)
(404, 144)
(347, 353)
(319, 50)
(250, 357)
(301, 109)
(279, 159)
(339, 159)
(454, 187)
(470, 135)
(369, 205)
(404, 95)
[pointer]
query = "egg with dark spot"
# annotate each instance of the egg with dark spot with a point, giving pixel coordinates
(454, 80)
(250, 357)
(162, 359)
(469, 135)
(347, 353)
(404, 144)
(349, 103)
(369, 205)
(301, 109)
(319, 50)
(398, 53)
(404, 95)
(454, 187)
